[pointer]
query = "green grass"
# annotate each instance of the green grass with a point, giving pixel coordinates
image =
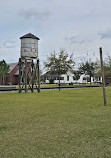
(53, 124)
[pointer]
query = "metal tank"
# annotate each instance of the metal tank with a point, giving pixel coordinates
(29, 46)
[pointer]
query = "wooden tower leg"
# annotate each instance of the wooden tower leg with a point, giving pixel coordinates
(32, 76)
(38, 71)
(25, 75)
(20, 75)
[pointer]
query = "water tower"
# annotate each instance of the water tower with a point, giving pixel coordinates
(28, 69)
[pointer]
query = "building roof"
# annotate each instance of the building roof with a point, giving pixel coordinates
(16, 73)
(48, 74)
(12, 65)
(29, 35)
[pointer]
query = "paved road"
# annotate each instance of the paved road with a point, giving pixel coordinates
(45, 89)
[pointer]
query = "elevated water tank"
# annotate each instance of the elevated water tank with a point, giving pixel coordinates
(29, 46)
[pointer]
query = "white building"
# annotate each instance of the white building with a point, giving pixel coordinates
(68, 78)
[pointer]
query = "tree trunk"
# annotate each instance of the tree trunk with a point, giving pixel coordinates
(3, 80)
(59, 82)
(59, 77)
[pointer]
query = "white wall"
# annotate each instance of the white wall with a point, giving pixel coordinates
(65, 79)
(81, 80)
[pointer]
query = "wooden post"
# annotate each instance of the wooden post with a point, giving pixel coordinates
(25, 75)
(32, 76)
(103, 78)
(19, 75)
(38, 73)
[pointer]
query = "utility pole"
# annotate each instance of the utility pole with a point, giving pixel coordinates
(103, 78)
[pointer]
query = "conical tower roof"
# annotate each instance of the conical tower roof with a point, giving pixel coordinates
(29, 35)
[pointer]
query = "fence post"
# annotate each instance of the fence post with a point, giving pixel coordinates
(103, 78)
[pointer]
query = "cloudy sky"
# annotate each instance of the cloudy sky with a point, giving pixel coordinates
(78, 26)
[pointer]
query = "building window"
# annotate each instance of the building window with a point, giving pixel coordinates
(67, 78)
(84, 78)
(47, 78)
(61, 78)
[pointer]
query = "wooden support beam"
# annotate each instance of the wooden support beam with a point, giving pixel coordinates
(28, 70)
(25, 75)
(19, 75)
(32, 65)
(38, 74)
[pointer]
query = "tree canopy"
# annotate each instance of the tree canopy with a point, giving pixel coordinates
(4, 70)
(77, 75)
(107, 70)
(88, 68)
(59, 63)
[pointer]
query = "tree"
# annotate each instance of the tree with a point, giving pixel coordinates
(4, 70)
(88, 68)
(77, 75)
(107, 70)
(59, 64)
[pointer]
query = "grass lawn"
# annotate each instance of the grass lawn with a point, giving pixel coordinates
(52, 124)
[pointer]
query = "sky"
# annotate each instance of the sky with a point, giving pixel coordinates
(79, 27)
